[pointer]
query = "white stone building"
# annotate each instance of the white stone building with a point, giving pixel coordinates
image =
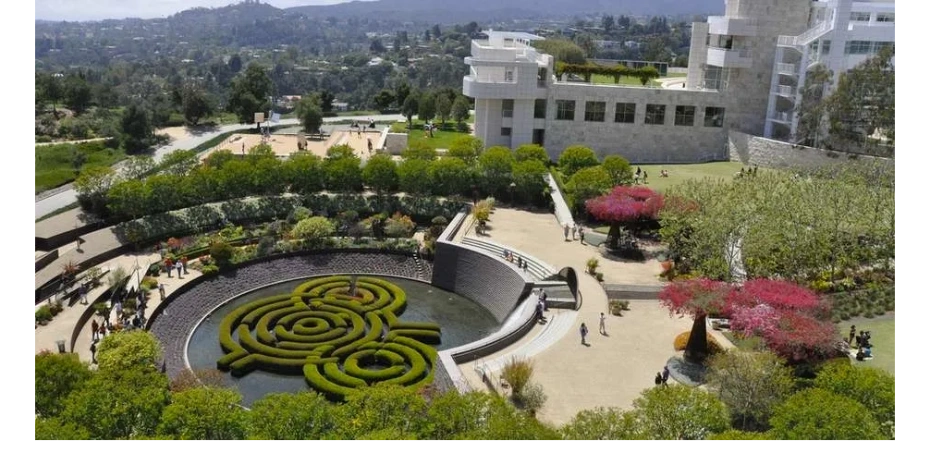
(744, 75)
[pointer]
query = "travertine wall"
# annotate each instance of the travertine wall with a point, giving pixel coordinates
(639, 142)
(754, 150)
(395, 143)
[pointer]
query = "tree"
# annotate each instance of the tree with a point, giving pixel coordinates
(401, 92)
(195, 103)
(137, 397)
(382, 407)
(443, 107)
(562, 50)
(698, 298)
(862, 105)
(313, 229)
(619, 169)
(292, 416)
(188, 379)
(181, 161)
(343, 174)
(496, 168)
(467, 148)
(137, 167)
(325, 99)
(575, 158)
(751, 384)
(426, 107)
(816, 414)
(460, 111)
(384, 99)
(57, 375)
(607, 23)
(249, 93)
(530, 179)
(811, 110)
(603, 424)
(413, 176)
(204, 413)
(588, 183)
(449, 176)
(419, 150)
(77, 94)
(376, 46)
(531, 152)
(128, 198)
(129, 349)
(409, 108)
(380, 173)
(138, 133)
(873, 388)
(55, 429)
(585, 41)
(624, 206)
(678, 412)
(235, 63)
(92, 186)
(304, 172)
(49, 88)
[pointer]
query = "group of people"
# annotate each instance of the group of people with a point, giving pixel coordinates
(179, 266)
(750, 172)
(541, 305)
(360, 127)
(662, 377)
(520, 262)
(640, 176)
(573, 230)
(428, 129)
(863, 343)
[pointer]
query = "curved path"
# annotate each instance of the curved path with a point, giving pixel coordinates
(615, 368)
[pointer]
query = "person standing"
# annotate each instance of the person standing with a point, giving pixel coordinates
(581, 234)
(565, 230)
(645, 176)
(584, 333)
(852, 334)
(574, 230)
(658, 379)
(161, 290)
(665, 373)
(94, 329)
(603, 326)
(93, 352)
(83, 293)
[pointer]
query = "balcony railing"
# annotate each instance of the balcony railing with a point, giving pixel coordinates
(786, 68)
(806, 37)
(786, 91)
(780, 116)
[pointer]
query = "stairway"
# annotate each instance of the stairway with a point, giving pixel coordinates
(538, 270)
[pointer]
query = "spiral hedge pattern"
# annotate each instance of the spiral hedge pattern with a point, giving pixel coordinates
(337, 341)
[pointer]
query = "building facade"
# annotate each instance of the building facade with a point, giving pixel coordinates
(744, 74)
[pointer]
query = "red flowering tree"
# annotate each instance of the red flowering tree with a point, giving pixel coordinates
(783, 295)
(799, 338)
(625, 205)
(698, 298)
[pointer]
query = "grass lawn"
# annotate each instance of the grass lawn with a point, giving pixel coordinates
(441, 139)
(882, 329)
(55, 164)
(624, 81)
(678, 174)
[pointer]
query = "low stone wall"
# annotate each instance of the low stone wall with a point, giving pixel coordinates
(395, 143)
(176, 317)
(46, 259)
(479, 277)
(754, 150)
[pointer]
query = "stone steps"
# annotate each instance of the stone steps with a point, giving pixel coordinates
(557, 327)
(536, 268)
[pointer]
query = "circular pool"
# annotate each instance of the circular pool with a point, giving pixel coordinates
(459, 319)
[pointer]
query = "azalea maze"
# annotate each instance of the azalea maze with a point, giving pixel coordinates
(340, 335)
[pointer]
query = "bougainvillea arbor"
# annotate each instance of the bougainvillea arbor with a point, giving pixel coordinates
(627, 206)
(789, 318)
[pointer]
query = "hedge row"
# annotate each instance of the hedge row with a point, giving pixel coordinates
(587, 70)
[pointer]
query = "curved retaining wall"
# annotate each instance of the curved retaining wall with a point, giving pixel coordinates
(175, 317)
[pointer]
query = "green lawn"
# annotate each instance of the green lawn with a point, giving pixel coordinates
(678, 174)
(882, 329)
(55, 164)
(441, 139)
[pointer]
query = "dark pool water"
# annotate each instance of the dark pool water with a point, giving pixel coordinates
(462, 321)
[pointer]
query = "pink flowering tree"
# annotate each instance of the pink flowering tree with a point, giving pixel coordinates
(698, 298)
(625, 205)
(799, 338)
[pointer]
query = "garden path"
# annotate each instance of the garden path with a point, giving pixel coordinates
(615, 368)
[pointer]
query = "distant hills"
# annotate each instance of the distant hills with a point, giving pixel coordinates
(459, 11)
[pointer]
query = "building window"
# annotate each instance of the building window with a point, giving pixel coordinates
(594, 111)
(655, 114)
(879, 45)
(715, 78)
(506, 131)
(713, 117)
(858, 47)
(859, 16)
(508, 75)
(539, 136)
(539, 109)
(824, 47)
(625, 113)
(507, 108)
(564, 110)
(684, 115)
(885, 18)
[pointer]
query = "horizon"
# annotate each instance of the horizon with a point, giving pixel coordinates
(99, 10)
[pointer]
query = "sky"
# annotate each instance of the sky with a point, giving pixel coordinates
(81, 10)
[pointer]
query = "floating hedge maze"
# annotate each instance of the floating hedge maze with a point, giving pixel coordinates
(337, 341)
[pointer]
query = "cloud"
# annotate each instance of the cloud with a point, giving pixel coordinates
(81, 10)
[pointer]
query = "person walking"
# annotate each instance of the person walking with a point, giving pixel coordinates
(658, 379)
(574, 230)
(83, 293)
(665, 373)
(93, 352)
(645, 176)
(184, 264)
(581, 234)
(584, 333)
(565, 230)
(852, 334)
(94, 329)
(177, 267)
(161, 290)
(603, 326)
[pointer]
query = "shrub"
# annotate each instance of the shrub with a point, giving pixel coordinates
(713, 347)
(617, 306)
(482, 211)
(313, 229)
(531, 399)
(399, 226)
(43, 315)
(592, 265)
(221, 253)
(517, 372)
(575, 158)
(210, 269)
(299, 213)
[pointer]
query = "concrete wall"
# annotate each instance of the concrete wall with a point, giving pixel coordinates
(639, 142)
(395, 143)
(764, 152)
(481, 278)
